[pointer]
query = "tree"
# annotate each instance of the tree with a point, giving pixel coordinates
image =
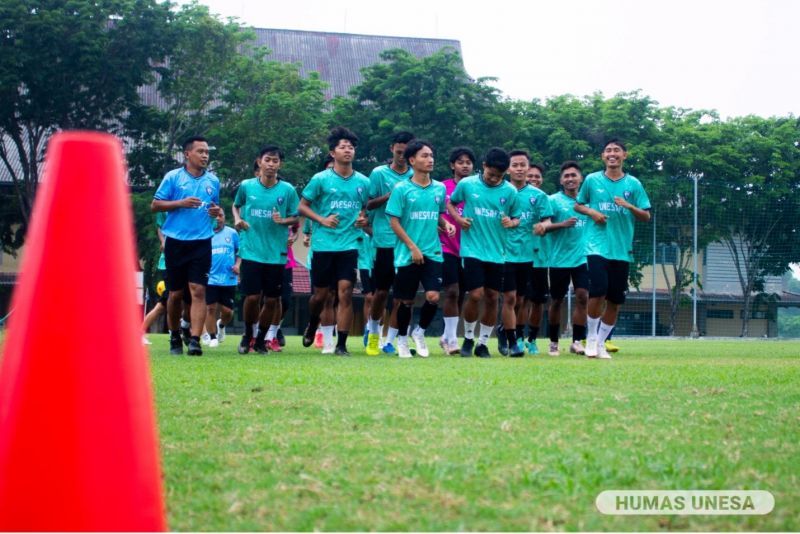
(69, 65)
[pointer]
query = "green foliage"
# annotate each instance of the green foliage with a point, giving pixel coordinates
(303, 442)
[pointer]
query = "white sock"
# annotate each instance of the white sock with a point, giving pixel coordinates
(255, 329)
(591, 328)
(469, 329)
(327, 334)
(418, 331)
(185, 324)
(402, 339)
(272, 332)
(391, 334)
(486, 331)
(603, 332)
(374, 326)
(451, 328)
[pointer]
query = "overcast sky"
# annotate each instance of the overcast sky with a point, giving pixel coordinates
(733, 56)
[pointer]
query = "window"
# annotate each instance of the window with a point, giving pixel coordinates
(719, 314)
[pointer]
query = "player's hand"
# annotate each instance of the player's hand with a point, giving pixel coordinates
(416, 256)
(276, 216)
(449, 229)
(241, 224)
(190, 202)
(598, 217)
(569, 223)
(507, 222)
(306, 240)
(235, 269)
(361, 221)
(331, 221)
(539, 228)
(214, 210)
(619, 201)
(464, 222)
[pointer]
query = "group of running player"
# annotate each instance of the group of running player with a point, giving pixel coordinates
(472, 237)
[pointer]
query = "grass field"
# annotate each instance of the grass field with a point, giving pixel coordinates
(300, 441)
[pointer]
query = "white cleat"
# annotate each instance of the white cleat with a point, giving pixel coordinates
(205, 339)
(419, 343)
(591, 348)
(213, 343)
(449, 347)
(220, 331)
(402, 348)
(328, 348)
(553, 351)
(146, 341)
(602, 353)
(577, 348)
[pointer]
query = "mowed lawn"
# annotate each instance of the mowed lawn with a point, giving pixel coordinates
(298, 441)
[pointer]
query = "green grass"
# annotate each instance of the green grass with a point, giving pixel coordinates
(300, 441)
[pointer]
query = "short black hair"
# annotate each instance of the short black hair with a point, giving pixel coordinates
(271, 149)
(339, 133)
(256, 165)
(520, 152)
(497, 158)
(537, 166)
(615, 141)
(570, 165)
(414, 146)
(325, 162)
(187, 144)
(402, 137)
(462, 151)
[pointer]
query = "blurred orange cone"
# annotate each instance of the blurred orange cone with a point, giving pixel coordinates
(78, 445)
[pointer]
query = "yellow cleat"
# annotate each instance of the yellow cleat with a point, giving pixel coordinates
(373, 348)
(610, 347)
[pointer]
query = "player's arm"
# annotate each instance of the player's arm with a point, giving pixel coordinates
(445, 226)
(595, 215)
(638, 213)
(161, 237)
(416, 255)
(377, 202)
(561, 225)
(171, 205)
(331, 221)
(542, 226)
(238, 222)
(285, 221)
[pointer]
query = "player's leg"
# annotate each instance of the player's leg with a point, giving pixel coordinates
(346, 266)
(598, 288)
(431, 280)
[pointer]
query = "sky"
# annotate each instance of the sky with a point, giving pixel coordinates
(736, 57)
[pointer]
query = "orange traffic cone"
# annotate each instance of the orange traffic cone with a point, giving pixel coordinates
(78, 445)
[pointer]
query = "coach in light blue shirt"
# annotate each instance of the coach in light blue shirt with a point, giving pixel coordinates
(190, 196)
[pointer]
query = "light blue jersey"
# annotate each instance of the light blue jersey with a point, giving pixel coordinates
(224, 245)
(188, 224)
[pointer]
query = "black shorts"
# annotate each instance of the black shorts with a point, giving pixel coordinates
(560, 278)
(187, 262)
(539, 288)
(367, 286)
(409, 277)
(452, 271)
(608, 278)
(313, 279)
(517, 277)
(223, 295)
(383, 269)
(261, 278)
(479, 273)
(331, 267)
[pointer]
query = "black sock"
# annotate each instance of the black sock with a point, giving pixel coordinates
(552, 331)
(341, 340)
(533, 331)
(262, 333)
(248, 330)
(195, 338)
(578, 332)
(511, 336)
(403, 319)
(212, 336)
(521, 331)
(426, 314)
(174, 334)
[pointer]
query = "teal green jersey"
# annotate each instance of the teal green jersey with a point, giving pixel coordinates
(521, 241)
(330, 193)
(381, 182)
(161, 216)
(418, 209)
(486, 205)
(567, 245)
(366, 252)
(614, 239)
(265, 241)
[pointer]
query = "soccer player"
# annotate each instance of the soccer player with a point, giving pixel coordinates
(222, 280)
(163, 294)
(382, 180)
(567, 259)
(336, 199)
(534, 219)
(539, 288)
(366, 261)
(190, 196)
(263, 210)
(613, 199)
(462, 163)
(490, 209)
(416, 206)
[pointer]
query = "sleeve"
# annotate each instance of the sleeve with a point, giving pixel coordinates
(375, 184)
(583, 193)
(165, 189)
(457, 196)
(311, 191)
(641, 198)
(546, 209)
(365, 196)
(443, 200)
(241, 196)
(292, 201)
(514, 210)
(394, 207)
(307, 226)
(215, 196)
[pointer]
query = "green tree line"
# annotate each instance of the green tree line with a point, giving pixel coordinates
(82, 64)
